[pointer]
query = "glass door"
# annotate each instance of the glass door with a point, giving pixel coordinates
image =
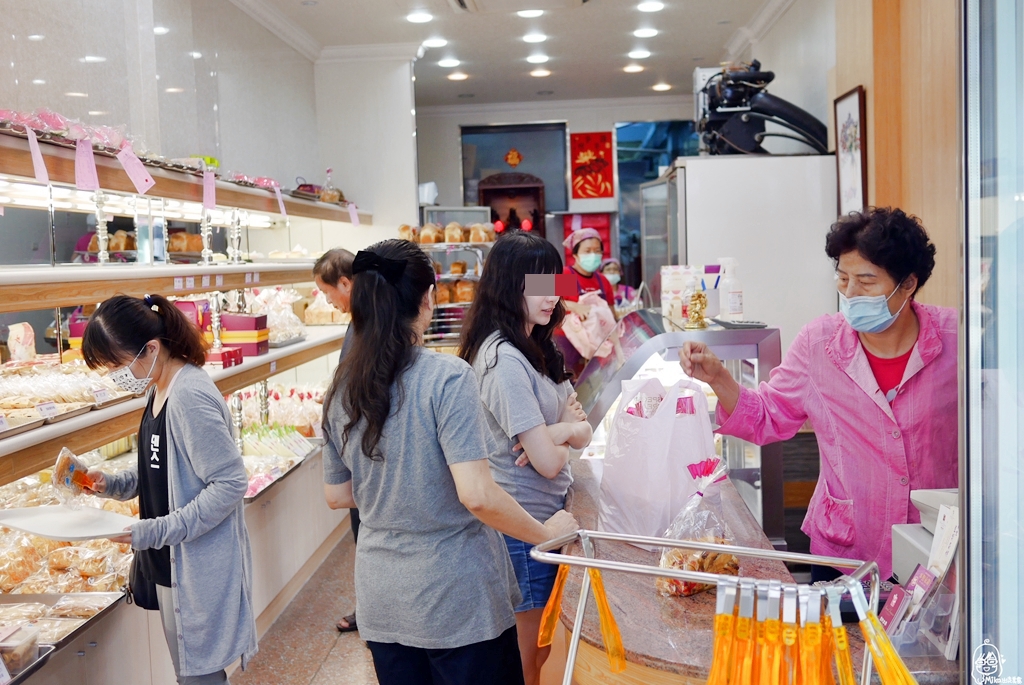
(993, 343)
(654, 234)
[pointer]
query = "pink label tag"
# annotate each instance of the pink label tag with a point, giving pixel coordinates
(280, 202)
(577, 222)
(353, 214)
(209, 190)
(85, 166)
(132, 166)
(37, 157)
(1, 210)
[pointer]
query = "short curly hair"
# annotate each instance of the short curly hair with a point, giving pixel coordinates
(887, 237)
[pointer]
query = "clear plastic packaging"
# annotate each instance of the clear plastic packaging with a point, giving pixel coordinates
(86, 562)
(28, 611)
(70, 476)
(283, 322)
(53, 630)
(19, 647)
(78, 606)
(701, 520)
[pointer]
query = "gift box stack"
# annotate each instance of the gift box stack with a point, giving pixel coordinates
(246, 331)
(198, 312)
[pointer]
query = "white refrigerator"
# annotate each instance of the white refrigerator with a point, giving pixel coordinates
(770, 213)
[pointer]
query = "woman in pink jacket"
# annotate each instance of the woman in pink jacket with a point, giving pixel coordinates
(878, 382)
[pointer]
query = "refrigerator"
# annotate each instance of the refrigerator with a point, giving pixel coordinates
(771, 213)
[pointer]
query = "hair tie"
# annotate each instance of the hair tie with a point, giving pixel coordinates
(390, 269)
(149, 303)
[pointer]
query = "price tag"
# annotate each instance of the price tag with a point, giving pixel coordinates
(48, 410)
(273, 367)
(85, 166)
(4, 425)
(256, 277)
(102, 395)
(206, 281)
(353, 213)
(137, 173)
(38, 166)
(280, 202)
(190, 282)
(209, 190)
(179, 283)
(248, 277)
(220, 280)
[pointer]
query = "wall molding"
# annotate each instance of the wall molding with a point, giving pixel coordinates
(489, 108)
(334, 54)
(272, 19)
(756, 29)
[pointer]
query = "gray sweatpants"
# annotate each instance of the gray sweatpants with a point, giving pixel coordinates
(166, 600)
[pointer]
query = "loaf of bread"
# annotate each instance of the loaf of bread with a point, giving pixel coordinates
(94, 243)
(458, 268)
(195, 242)
(119, 241)
(431, 233)
(464, 291)
(453, 233)
(443, 293)
(405, 232)
(478, 234)
(178, 242)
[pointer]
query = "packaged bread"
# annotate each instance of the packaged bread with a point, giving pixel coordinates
(19, 647)
(28, 611)
(478, 234)
(110, 582)
(86, 562)
(78, 606)
(195, 242)
(458, 268)
(464, 291)
(443, 293)
(178, 242)
(53, 630)
(431, 233)
(70, 476)
(453, 233)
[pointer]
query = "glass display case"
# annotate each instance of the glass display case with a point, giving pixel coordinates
(467, 216)
(645, 345)
(659, 239)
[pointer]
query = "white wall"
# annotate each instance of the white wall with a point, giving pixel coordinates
(439, 136)
(800, 48)
(367, 134)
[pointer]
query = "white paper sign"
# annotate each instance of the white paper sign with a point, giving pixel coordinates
(273, 367)
(38, 166)
(179, 283)
(248, 277)
(280, 202)
(206, 281)
(256, 277)
(48, 410)
(353, 213)
(102, 395)
(220, 280)
(190, 282)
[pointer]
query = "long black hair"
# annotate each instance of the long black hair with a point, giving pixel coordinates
(121, 326)
(500, 305)
(384, 309)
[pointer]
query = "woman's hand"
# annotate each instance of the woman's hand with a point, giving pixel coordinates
(580, 310)
(573, 411)
(698, 361)
(99, 483)
(123, 539)
(562, 523)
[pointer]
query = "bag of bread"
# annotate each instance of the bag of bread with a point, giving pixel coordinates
(70, 476)
(700, 520)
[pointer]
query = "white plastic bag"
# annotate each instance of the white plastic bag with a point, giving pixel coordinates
(645, 481)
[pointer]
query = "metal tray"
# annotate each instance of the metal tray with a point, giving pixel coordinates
(27, 425)
(44, 655)
(51, 599)
(70, 414)
(286, 343)
(317, 446)
(117, 400)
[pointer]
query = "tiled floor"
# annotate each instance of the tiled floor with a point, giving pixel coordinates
(303, 647)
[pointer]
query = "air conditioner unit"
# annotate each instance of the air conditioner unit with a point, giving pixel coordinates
(510, 6)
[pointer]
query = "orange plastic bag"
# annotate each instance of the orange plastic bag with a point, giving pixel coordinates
(549, 619)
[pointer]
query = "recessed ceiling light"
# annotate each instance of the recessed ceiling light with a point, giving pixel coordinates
(466, 96)
(36, 36)
(39, 82)
(535, 38)
(435, 42)
(420, 17)
(448, 63)
(545, 92)
(662, 87)
(645, 33)
(530, 14)
(650, 6)
(639, 54)
(92, 59)
(77, 95)
(195, 54)
(537, 59)
(457, 76)
(96, 113)
(632, 68)
(174, 90)
(539, 73)
(161, 30)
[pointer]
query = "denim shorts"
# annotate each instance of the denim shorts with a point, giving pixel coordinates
(536, 579)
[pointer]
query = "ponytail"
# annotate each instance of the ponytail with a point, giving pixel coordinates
(121, 326)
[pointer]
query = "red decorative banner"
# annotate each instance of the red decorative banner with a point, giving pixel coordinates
(592, 165)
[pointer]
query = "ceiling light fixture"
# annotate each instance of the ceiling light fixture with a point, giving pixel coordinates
(39, 82)
(174, 90)
(161, 30)
(540, 73)
(530, 14)
(77, 95)
(36, 36)
(535, 38)
(645, 33)
(537, 59)
(435, 42)
(96, 113)
(457, 76)
(632, 68)
(92, 59)
(195, 54)
(661, 87)
(448, 63)
(651, 6)
(639, 54)
(420, 17)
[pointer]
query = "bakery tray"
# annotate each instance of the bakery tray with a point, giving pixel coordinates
(51, 599)
(118, 399)
(26, 425)
(289, 341)
(44, 655)
(318, 444)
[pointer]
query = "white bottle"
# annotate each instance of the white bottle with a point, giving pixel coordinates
(730, 291)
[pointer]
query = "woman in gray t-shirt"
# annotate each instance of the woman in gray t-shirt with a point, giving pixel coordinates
(405, 440)
(529, 405)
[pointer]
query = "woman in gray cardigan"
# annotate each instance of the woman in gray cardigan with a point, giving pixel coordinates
(191, 540)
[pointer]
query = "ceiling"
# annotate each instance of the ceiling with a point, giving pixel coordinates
(587, 43)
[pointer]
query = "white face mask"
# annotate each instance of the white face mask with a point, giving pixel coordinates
(127, 381)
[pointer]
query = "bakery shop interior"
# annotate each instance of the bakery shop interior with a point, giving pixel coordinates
(640, 341)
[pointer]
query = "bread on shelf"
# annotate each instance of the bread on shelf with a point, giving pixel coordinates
(431, 233)
(443, 293)
(453, 233)
(464, 291)
(178, 242)
(458, 268)
(478, 234)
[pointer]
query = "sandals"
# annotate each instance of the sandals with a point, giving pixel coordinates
(351, 621)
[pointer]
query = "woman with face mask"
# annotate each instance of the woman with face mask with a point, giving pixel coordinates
(878, 383)
(612, 270)
(191, 541)
(592, 289)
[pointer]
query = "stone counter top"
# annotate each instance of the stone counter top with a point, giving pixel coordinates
(674, 634)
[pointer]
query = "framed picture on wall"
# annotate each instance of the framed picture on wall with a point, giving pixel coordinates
(852, 151)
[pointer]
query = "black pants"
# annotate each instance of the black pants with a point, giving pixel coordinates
(495, 662)
(353, 519)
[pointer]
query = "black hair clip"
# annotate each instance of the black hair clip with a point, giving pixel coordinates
(390, 269)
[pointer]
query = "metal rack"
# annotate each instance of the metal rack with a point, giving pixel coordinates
(545, 553)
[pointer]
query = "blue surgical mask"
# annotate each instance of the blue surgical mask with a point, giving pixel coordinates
(589, 262)
(869, 314)
(613, 278)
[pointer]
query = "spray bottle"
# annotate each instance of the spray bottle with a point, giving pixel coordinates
(730, 291)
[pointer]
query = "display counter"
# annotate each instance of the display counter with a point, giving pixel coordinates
(669, 639)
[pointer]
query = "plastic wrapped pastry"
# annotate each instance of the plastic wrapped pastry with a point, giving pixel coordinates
(30, 611)
(70, 476)
(53, 630)
(86, 562)
(78, 606)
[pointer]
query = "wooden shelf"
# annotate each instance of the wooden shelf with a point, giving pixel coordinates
(28, 453)
(16, 160)
(45, 287)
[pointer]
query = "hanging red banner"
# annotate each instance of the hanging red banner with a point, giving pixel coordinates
(592, 165)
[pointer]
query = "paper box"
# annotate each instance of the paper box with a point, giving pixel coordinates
(243, 322)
